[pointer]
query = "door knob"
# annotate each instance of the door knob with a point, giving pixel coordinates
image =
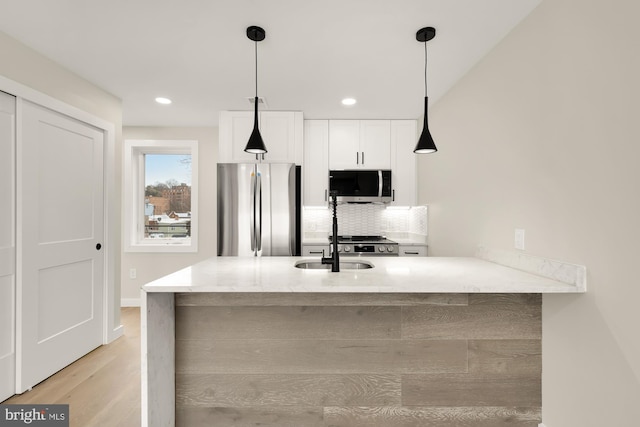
(98, 246)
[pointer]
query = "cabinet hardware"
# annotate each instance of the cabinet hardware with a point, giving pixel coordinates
(316, 252)
(393, 195)
(357, 158)
(411, 253)
(325, 194)
(363, 157)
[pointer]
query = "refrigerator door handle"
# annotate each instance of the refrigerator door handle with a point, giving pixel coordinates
(252, 212)
(259, 212)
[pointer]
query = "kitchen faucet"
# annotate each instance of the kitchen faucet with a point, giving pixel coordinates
(334, 260)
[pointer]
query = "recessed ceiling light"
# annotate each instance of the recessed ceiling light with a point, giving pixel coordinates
(349, 101)
(164, 101)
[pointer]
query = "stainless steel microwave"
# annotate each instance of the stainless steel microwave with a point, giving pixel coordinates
(361, 186)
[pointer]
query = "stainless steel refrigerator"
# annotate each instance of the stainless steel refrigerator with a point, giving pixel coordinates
(258, 209)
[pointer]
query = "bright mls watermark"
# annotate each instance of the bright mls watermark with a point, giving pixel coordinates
(34, 415)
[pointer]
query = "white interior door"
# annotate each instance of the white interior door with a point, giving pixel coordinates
(7, 247)
(61, 229)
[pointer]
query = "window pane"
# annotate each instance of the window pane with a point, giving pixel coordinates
(167, 202)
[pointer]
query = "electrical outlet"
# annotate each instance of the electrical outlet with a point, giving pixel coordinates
(133, 273)
(519, 239)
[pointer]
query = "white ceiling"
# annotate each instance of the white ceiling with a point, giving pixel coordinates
(196, 51)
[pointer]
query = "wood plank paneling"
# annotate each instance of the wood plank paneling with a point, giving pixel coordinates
(358, 360)
(325, 299)
(488, 316)
(208, 390)
(513, 357)
(471, 390)
(432, 417)
(320, 356)
(290, 416)
(302, 322)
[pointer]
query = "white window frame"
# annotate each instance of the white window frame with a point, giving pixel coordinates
(134, 190)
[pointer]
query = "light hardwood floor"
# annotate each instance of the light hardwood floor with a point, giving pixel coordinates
(103, 387)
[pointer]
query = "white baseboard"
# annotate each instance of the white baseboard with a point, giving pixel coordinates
(130, 302)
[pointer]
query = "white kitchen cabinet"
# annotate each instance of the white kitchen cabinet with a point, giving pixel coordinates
(412, 250)
(315, 250)
(375, 144)
(403, 162)
(355, 144)
(282, 132)
(316, 163)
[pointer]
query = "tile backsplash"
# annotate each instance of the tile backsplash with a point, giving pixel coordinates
(367, 219)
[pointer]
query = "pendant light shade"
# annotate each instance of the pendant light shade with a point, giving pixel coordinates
(425, 144)
(255, 145)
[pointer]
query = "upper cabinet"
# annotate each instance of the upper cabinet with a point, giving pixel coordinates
(364, 144)
(403, 162)
(282, 132)
(316, 163)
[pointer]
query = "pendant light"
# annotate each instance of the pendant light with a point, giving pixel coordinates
(255, 145)
(425, 144)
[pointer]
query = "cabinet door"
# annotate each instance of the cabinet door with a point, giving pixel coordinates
(412, 250)
(316, 162)
(235, 129)
(280, 130)
(375, 144)
(7, 247)
(344, 144)
(278, 133)
(315, 250)
(403, 162)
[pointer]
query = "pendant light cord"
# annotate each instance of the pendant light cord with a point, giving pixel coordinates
(425, 68)
(256, 51)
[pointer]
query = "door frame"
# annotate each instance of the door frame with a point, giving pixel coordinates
(110, 330)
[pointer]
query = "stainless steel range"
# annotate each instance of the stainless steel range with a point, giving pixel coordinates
(366, 246)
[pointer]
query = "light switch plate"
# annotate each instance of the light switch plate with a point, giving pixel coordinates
(519, 239)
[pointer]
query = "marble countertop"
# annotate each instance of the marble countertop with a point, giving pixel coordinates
(390, 275)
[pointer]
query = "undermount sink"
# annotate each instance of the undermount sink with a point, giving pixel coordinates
(344, 265)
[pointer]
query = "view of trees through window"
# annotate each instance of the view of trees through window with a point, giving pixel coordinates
(167, 201)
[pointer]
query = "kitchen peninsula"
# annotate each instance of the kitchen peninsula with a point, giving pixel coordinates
(248, 341)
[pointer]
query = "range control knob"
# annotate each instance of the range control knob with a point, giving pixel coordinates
(380, 248)
(347, 248)
(339, 248)
(389, 248)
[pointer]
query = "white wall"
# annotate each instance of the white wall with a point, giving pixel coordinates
(29, 68)
(543, 135)
(151, 266)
